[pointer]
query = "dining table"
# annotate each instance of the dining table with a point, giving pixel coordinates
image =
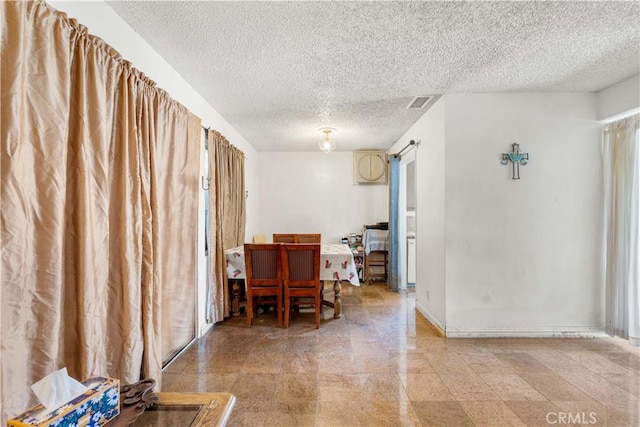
(336, 264)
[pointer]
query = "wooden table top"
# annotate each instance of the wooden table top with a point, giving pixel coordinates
(216, 407)
(211, 409)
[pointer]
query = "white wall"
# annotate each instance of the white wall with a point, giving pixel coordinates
(430, 211)
(103, 22)
(619, 98)
(307, 192)
(523, 256)
(503, 257)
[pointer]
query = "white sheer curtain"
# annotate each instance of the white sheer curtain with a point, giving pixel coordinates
(621, 156)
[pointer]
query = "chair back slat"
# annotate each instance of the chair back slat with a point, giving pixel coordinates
(264, 263)
(301, 265)
(284, 238)
(307, 238)
(296, 238)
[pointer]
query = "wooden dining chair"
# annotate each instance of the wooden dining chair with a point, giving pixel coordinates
(301, 277)
(284, 238)
(263, 264)
(307, 238)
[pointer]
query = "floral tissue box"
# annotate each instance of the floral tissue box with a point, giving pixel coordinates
(99, 405)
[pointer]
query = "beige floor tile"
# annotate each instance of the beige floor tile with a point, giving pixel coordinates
(558, 362)
(382, 387)
(241, 417)
(593, 344)
(554, 387)
(239, 343)
(178, 365)
(411, 364)
(447, 362)
(468, 387)
(591, 413)
(332, 414)
(219, 363)
(297, 387)
(362, 330)
(431, 344)
(618, 344)
(596, 363)
(629, 409)
(299, 363)
(299, 414)
(535, 414)
(445, 414)
(383, 364)
(339, 387)
(329, 345)
(511, 387)
(253, 413)
(262, 363)
(366, 346)
(485, 363)
(491, 414)
(624, 358)
(255, 386)
(303, 344)
(198, 382)
(269, 344)
(522, 363)
(384, 413)
(466, 346)
(337, 363)
(375, 363)
(629, 382)
(602, 390)
(425, 387)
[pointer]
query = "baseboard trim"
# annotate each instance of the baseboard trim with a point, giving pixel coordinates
(433, 321)
(556, 332)
(548, 332)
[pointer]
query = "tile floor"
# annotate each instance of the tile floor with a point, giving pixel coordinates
(382, 364)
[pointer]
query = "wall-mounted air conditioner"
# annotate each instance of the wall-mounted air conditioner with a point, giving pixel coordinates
(370, 167)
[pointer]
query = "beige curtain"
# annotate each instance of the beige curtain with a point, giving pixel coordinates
(99, 190)
(226, 216)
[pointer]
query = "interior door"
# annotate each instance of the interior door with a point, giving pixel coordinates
(407, 219)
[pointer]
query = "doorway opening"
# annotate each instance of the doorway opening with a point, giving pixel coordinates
(407, 220)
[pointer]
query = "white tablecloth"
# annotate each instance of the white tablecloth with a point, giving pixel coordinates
(336, 263)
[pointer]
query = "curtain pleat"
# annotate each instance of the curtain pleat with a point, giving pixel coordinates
(176, 170)
(621, 164)
(34, 121)
(226, 216)
(90, 225)
(99, 205)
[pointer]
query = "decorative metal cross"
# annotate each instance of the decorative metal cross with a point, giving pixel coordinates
(517, 158)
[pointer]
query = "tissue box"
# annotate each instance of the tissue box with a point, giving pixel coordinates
(99, 405)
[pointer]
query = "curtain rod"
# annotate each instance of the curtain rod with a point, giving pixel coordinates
(208, 129)
(411, 144)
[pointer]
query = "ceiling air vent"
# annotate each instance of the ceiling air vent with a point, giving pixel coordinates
(418, 102)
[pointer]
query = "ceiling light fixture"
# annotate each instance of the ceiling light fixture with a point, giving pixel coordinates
(325, 144)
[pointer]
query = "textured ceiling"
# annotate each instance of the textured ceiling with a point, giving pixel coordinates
(278, 71)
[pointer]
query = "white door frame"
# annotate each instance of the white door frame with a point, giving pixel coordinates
(405, 159)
